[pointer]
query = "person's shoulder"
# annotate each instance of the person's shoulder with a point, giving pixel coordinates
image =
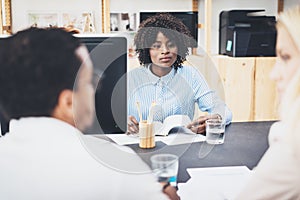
(103, 149)
(5, 140)
(188, 68)
(189, 71)
(138, 71)
(139, 68)
(277, 132)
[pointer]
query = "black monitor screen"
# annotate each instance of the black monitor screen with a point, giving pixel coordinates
(109, 57)
(190, 19)
(4, 121)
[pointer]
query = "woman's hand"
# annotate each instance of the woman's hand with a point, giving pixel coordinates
(132, 125)
(198, 125)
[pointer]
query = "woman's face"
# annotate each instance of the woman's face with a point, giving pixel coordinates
(163, 52)
(287, 62)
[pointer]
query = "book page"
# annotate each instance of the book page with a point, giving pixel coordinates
(171, 122)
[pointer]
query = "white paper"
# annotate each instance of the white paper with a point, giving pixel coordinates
(194, 172)
(172, 139)
(124, 139)
(180, 138)
(188, 192)
(214, 183)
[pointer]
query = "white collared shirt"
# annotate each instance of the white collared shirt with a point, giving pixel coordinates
(176, 93)
(45, 158)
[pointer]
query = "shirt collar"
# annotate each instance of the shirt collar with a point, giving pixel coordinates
(155, 79)
(41, 126)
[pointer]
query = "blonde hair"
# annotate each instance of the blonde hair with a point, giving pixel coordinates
(290, 20)
(290, 105)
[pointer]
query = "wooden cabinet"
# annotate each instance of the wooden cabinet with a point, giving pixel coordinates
(265, 94)
(238, 79)
(249, 92)
(243, 83)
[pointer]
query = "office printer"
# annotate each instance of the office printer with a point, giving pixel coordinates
(244, 33)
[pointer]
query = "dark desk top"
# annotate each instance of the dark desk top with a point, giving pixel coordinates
(245, 143)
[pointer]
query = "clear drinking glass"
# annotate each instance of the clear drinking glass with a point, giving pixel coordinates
(165, 167)
(215, 131)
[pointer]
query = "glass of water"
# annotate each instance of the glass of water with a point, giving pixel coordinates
(165, 167)
(215, 131)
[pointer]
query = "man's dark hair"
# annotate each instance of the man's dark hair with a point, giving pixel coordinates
(171, 27)
(36, 66)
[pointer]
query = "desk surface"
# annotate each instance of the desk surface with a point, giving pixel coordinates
(245, 143)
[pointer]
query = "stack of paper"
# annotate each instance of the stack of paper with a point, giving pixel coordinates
(214, 183)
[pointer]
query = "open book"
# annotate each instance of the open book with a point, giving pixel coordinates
(173, 121)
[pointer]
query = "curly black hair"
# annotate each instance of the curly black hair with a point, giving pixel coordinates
(36, 65)
(171, 27)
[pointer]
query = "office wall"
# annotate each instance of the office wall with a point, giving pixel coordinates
(20, 9)
(290, 3)
(150, 5)
(136, 6)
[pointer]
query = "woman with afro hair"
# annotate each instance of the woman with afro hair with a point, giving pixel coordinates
(162, 43)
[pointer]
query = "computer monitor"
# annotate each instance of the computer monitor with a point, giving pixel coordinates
(190, 19)
(4, 124)
(4, 121)
(109, 57)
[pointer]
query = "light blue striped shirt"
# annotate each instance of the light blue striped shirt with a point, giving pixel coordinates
(176, 93)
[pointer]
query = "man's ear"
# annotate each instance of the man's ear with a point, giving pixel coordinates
(64, 108)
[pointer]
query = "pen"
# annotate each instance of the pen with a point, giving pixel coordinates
(154, 109)
(139, 111)
(151, 113)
